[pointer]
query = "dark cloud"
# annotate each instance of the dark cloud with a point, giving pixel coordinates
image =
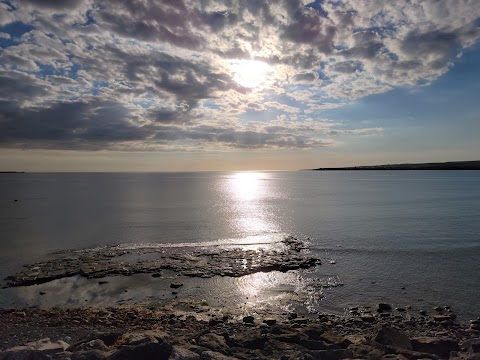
(152, 20)
(74, 125)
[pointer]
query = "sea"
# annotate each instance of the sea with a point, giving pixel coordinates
(407, 238)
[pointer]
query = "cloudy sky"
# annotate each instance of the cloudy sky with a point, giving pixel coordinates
(162, 85)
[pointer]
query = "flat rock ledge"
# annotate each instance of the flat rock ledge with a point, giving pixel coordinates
(139, 333)
(110, 262)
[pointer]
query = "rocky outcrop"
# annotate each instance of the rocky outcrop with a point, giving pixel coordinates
(201, 263)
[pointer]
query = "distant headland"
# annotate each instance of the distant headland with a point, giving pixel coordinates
(453, 165)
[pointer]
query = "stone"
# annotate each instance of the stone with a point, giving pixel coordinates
(158, 350)
(440, 318)
(180, 353)
(213, 342)
(156, 275)
(103, 282)
(270, 321)
(249, 340)
(248, 319)
(212, 355)
(390, 336)
(384, 307)
(24, 355)
(438, 346)
(90, 355)
(176, 285)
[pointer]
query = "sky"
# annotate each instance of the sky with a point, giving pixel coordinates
(191, 85)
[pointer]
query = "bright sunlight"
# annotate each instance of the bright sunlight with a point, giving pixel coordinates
(250, 73)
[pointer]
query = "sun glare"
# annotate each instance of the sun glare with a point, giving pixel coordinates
(250, 73)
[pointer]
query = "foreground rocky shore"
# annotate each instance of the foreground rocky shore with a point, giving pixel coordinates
(166, 333)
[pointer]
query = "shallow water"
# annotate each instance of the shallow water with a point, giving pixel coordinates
(409, 237)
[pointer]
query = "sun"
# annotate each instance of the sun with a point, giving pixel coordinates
(250, 73)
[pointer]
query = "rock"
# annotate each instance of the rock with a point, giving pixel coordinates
(151, 350)
(96, 344)
(270, 321)
(438, 346)
(156, 275)
(335, 339)
(367, 318)
(248, 319)
(423, 312)
(24, 355)
(314, 332)
(384, 307)
(400, 309)
(300, 321)
(176, 285)
(393, 337)
(141, 337)
(43, 345)
(213, 342)
(180, 353)
(42, 292)
(90, 355)
(438, 309)
(394, 357)
(103, 282)
(249, 340)
(212, 355)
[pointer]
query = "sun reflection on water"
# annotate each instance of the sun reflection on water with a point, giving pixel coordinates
(248, 193)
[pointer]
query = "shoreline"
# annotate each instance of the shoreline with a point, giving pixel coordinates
(128, 331)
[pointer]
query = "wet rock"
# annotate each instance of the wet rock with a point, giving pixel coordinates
(156, 275)
(176, 285)
(248, 319)
(335, 339)
(151, 349)
(24, 355)
(249, 340)
(390, 336)
(180, 353)
(438, 346)
(212, 355)
(213, 342)
(367, 318)
(102, 282)
(90, 355)
(43, 345)
(382, 307)
(270, 321)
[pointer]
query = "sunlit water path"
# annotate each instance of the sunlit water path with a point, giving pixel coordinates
(398, 237)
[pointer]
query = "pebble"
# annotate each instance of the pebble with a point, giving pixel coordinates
(175, 285)
(248, 319)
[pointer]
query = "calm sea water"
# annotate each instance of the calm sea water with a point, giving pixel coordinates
(408, 237)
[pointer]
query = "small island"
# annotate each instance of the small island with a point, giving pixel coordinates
(453, 165)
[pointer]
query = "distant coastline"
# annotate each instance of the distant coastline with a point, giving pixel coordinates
(12, 172)
(453, 165)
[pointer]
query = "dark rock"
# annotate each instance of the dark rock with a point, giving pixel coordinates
(145, 351)
(213, 342)
(248, 319)
(102, 282)
(270, 321)
(438, 346)
(335, 339)
(24, 355)
(438, 309)
(423, 312)
(156, 275)
(90, 355)
(249, 340)
(314, 332)
(384, 307)
(212, 355)
(180, 353)
(175, 285)
(42, 292)
(393, 337)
